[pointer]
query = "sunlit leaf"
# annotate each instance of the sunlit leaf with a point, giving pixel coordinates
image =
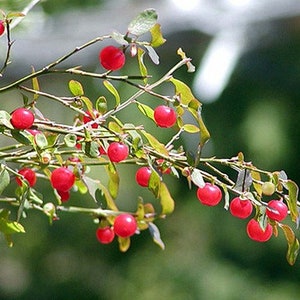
(197, 178)
(154, 231)
(41, 140)
(114, 180)
(190, 66)
(35, 85)
(146, 110)
(76, 88)
(257, 178)
(142, 67)
(293, 243)
(143, 22)
(15, 14)
(190, 128)
(88, 103)
(183, 91)
(113, 91)
(115, 127)
(159, 147)
(157, 38)
(124, 244)
(9, 227)
(166, 200)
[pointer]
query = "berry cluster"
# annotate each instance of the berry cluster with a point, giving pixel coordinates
(276, 210)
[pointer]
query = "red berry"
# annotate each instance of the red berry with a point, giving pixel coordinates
(256, 233)
(22, 118)
(125, 225)
(278, 210)
(112, 58)
(105, 235)
(89, 118)
(62, 179)
(164, 116)
(117, 151)
(162, 166)
(64, 195)
(240, 208)
(209, 195)
(2, 27)
(29, 175)
(142, 176)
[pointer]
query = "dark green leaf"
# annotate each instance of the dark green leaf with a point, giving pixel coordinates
(20, 136)
(91, 149)
(4, 180)
(154, 183)
(143, 22)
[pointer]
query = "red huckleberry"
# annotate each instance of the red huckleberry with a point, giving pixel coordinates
(209, 195)
(112, 58)
(125, 225)
(64, 195)
(142, 176)
(164, 116)
(277, 210)
(22, 118)
(28, 175)
(62, 179)
(105, 235)
(256, 233)
(240, 208)
(117, 151)
(2, 27)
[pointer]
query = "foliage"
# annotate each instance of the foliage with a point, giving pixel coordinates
(97, 125)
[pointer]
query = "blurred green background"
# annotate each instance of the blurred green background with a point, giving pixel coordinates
(207, 255)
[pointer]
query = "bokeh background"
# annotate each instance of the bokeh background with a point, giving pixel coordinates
(247, 54)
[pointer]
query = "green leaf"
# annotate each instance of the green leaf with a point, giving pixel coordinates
(70, 140)
(20, 136)
(112, 90)
(166, 200)
(154, 231)
(115, 127)
(143, 22)
(183, 91)
(293, 192)
(159, 147)
(142, 67)
(124, 244)
(101, 105)
(15, 14)
(190, 128)
(146, 110)
(10, 227)
(114, 180)
(154, 183)
(41, 141)
(88, 103)
(94, 185)
(152, 54)
(35, 85)
(257, 178)
(91, 149)
(293, 243)
(4, 180)
(76, 88)
(156, 36)
(119, 38)
(190, 66)
(5, 119)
